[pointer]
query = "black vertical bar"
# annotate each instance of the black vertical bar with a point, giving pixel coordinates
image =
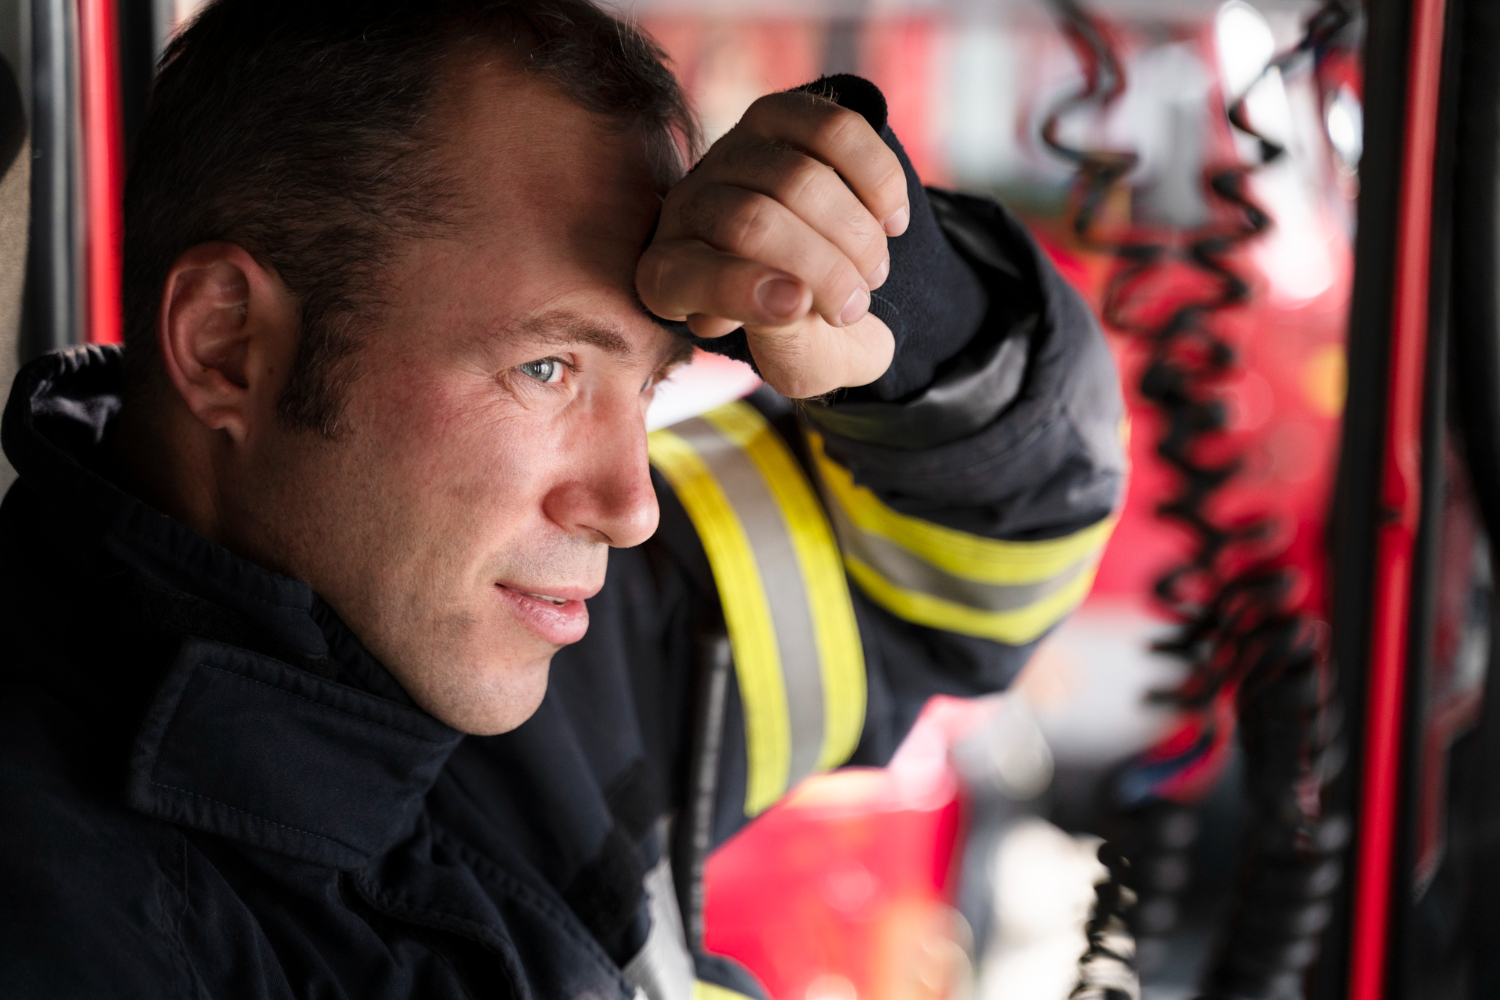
(53, 269)
(1357, 513)
(137, 64)
(1475, 331)
(692, 840)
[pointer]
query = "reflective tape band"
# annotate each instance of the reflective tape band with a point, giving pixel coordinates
(840, 653)
(747, 615)
(983, 560)
(925, 573)
(796, 646)
(663, 968)
(713, 991)
(1015, 628)
(904, 569)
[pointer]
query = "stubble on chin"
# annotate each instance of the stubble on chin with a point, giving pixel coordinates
(480, 673)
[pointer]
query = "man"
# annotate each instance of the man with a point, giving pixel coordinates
(399, 280)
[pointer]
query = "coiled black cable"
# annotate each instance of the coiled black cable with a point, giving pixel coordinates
(1239, 632)
(1107, 969)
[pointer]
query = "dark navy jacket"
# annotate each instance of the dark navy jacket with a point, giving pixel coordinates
(208, 788)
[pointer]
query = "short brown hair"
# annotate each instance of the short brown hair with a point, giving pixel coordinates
(297, 130)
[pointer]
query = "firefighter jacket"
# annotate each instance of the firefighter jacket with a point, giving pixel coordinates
(209, 788)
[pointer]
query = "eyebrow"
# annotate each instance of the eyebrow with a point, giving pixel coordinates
(556, 328)
(566, 327)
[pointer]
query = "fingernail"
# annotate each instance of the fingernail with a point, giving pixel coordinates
(779, 296)
(857, 306)
(877, 276)
(896, 224)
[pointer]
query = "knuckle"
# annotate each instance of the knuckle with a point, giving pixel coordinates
(755, 159)
(679, 194)
(891, 189)
(695, 212)
(840, 280)
(767, 105)
(868, 236)
(651, 277)
(799, 178)
(837, 126)
(734, 293)
(883, 189)
(729, 219)
(746, 225)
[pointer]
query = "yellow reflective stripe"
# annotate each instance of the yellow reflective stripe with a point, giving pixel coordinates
(1034, 584)
(746, 615)
(841, 659)
(983, 560)
(713, 991)
(1016, 627)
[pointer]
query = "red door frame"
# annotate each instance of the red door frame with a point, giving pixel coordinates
(103, 167)
(1400, 498)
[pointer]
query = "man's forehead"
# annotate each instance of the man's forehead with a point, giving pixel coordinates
(500, 118)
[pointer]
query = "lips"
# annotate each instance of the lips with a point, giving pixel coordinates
(556, 618)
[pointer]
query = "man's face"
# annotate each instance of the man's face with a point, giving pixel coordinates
(493, 446)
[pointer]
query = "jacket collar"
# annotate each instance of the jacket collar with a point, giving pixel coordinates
(328, 764)
(248, 747)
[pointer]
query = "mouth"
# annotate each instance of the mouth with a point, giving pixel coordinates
(556, 615)
(559, 601)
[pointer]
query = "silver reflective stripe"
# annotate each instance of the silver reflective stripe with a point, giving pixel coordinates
(791, 612)
(798, 657)
(663, 969)
(906, 569)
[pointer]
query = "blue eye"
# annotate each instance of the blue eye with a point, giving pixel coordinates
(546, 370)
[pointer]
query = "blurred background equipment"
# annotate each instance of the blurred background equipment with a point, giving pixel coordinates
(1111, 133)
(1285, 214)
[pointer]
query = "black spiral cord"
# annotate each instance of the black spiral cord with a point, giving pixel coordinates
(1239, 632)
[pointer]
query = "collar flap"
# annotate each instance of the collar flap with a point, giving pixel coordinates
(248, 747)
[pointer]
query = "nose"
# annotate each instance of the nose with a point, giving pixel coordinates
(607, 491)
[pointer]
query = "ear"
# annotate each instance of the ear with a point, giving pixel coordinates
(226, 325)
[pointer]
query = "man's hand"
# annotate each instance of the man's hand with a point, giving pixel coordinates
(781, 229)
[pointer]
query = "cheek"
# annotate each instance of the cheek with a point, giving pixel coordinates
(466, 477)
(462, 457)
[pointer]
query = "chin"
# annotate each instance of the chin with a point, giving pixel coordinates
(505, 695)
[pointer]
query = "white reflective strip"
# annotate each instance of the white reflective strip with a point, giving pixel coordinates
(663, 968)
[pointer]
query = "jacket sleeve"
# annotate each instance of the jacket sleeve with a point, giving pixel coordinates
(868, 553)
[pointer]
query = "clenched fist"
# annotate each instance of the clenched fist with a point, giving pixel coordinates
(781, 229)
